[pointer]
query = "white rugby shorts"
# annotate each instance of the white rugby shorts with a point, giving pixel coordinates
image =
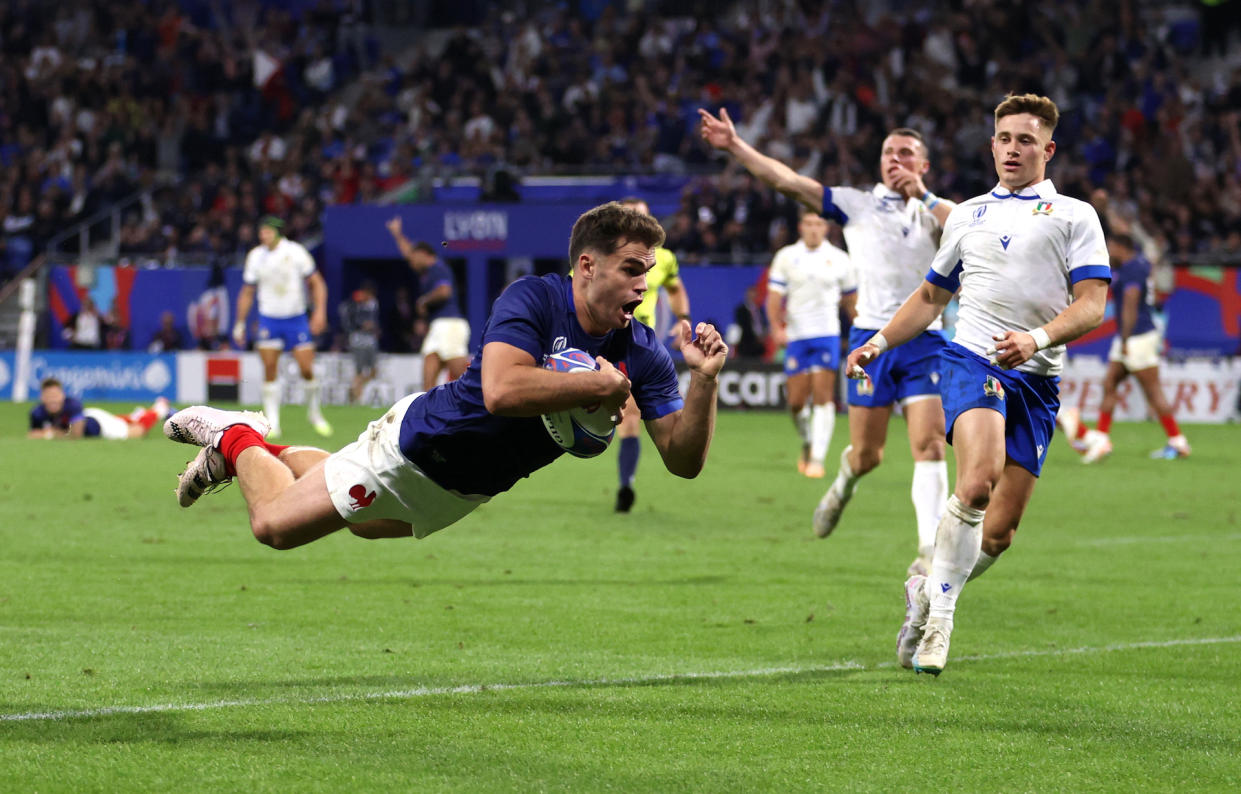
(371, 479)
(448, 338)
(1143, 351)
(111, 426)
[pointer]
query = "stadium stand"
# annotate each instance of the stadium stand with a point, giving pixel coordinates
(205, 116)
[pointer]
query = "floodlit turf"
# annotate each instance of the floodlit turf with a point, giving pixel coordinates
(706, 642)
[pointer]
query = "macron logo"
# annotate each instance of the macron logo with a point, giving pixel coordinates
(1005, 240)
(944, 587)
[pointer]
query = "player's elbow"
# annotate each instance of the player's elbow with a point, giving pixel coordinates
(499, 400)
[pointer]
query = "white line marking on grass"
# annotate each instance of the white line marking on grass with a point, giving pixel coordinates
(473, 689)
(1157, 539)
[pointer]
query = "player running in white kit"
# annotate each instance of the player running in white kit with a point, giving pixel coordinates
(276, 270)
(1032, 269)
(892, 232)
(809, 283)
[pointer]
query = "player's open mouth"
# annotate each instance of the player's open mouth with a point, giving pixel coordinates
(631, 307)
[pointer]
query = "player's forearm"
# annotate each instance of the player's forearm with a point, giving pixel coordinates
(533, 391)
(404, 245)
(1129, 314)
(776, 174)
(245, 299)
(318, 294)
(917, 312)
(679, 301)
(1081, 316)
(686, 452)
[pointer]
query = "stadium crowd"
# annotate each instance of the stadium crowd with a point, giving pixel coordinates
(226, 111)
(215, 113)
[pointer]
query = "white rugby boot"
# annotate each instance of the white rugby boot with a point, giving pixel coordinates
(1098, 447)
(916, 607)
(932, 653)
(202, 475)
(921, 566)
(832, 505)
(203, 425)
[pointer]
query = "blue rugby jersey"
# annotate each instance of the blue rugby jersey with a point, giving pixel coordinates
(1134, 273)
(448, 432)
(72, 411)
(437, 274)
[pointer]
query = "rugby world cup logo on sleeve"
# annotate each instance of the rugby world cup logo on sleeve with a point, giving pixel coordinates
(993, 388)
(979, 215)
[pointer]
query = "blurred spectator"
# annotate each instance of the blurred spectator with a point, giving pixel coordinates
(168, 338)
(359, 321)
(748, 335)
(115, 334)
(85, 330)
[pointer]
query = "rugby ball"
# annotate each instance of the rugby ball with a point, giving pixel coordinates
(584, 431)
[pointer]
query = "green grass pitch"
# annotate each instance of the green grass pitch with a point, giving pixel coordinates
(706, 642)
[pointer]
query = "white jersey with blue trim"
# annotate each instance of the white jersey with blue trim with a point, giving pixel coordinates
(1015, 257)
(280, 274)
(812, 281)
(891, 241)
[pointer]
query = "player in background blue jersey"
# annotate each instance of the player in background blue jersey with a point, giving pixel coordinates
(59, 416)
(434, 457)
(446, 337)
(1136, 350)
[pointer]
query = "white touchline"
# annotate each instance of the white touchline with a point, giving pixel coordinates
(1156, 539)
(470, 689)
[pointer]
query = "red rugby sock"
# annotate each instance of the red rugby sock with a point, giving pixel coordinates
(235, 440)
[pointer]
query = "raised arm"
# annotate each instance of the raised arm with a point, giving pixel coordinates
(721, 134)
(683, 437)
(402, 242)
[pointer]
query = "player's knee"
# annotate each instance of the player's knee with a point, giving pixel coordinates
(996, 546)
(269, 532)
(867, 459)
(931, 448)
(975, 491)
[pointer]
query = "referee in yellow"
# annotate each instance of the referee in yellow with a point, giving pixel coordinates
(662, 275)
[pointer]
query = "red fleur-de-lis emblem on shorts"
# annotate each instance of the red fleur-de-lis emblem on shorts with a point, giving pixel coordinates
(360, 497)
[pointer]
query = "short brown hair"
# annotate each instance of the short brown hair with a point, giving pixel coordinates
(1033, 104)
(606, 227)
(49, 383)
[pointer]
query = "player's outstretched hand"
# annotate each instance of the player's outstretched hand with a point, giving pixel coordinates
(394, 226)
(615, 387)
(704, 353)
(908, 184)
(718, 132)
(1012, 349)
(858, 359)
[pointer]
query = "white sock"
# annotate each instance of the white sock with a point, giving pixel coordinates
(957, 546)
(271, 402)
(929, 493)
(845, 480)
(802, 420)
(980, 567)
(311, 388)
(822, 422)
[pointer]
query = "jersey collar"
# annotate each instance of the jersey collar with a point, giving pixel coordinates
(1039, 190)
(881, 192)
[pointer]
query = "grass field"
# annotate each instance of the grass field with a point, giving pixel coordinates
(706, 642)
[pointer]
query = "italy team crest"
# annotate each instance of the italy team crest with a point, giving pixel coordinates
(1042, 208)
(993, 387)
